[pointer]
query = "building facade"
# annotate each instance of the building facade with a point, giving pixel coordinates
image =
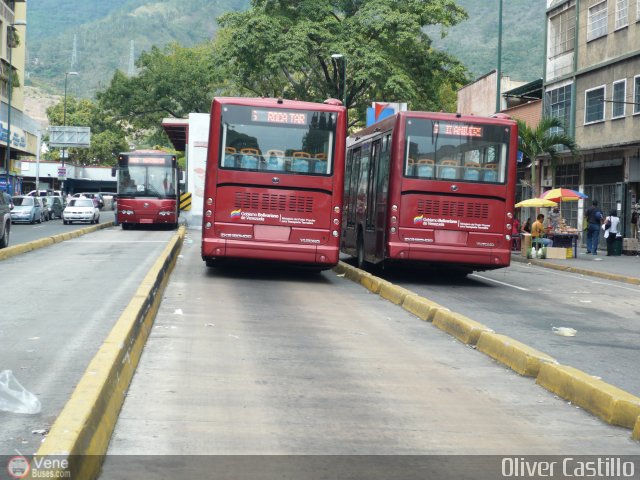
(592, 83)
(22, 130)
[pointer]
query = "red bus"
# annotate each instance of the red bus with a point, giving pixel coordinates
(433, 188)
(274, 181)
(148, 188)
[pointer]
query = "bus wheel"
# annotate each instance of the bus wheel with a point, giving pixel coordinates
(360, 247)
(211, 262)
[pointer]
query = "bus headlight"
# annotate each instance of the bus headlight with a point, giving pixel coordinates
(508, 226)
(394, 208)
(208, 213)
(393, 230)
(165, 213)
(207, 225)
(507, 237)
(336, 209)
(336, 221)
(394, 219)
(209, 201)
(509, 215)
(334, 233)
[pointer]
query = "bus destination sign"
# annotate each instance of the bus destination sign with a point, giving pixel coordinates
(279, 116)
(147, 161)
(457, 129)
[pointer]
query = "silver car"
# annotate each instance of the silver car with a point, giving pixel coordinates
(80, 210)
(27, 209)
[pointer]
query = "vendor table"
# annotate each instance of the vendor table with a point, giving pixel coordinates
(565, 240)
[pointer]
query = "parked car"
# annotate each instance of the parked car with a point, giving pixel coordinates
(27, 209)
(6, 205)
(54, 206)
(94, 196)
(81, 210)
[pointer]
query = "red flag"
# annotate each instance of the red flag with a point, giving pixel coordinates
(379, 107)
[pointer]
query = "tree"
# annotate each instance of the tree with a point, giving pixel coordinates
(284, 47)
(171, 83)
(108, 138)
(546, 139)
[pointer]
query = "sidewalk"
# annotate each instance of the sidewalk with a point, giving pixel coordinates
(623, 268)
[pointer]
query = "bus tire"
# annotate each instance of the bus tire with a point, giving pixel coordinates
(211, 262)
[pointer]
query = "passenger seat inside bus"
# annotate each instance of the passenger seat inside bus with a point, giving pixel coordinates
(425, 167)
(299, 163)
(321, 163)
(448, 169)
(275, 160)
(249, 158)
(490, 172)
(472, 171)
(229, 157)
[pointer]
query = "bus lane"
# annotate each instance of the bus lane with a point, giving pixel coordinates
(531, 304)
(59, 303)
(276, 361)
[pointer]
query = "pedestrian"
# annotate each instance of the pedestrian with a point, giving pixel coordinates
(594, 218)
(526, 228)
(554, 218)
(115, 210)
(634, 222)
(537, 233)
(611, 227)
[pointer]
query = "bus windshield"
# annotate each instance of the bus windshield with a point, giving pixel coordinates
(155, 181)
(447, 150)
(277, 140)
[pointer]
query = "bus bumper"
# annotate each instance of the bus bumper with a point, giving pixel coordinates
(324, 255)
(479, 258)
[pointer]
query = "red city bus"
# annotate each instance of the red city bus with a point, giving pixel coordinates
(434, 188)
(148, 189)
(274, 181)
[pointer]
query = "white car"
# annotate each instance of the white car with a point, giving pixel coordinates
(80, 210)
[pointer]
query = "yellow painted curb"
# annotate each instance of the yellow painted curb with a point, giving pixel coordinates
(394, 293)
(340, 268)
(516, 355)
(82, 431)
(463, 328)
(421, 307)
(352, 273)
(611, 404)
(371, 282)
(636, 430)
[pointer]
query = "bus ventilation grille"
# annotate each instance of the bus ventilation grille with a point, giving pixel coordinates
(274, 203)
(451, 209)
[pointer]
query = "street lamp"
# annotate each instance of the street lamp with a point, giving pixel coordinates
(337, 56)
(499, 66)
(64, 118)
(10, 46)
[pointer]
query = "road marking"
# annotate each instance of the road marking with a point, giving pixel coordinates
(116, 241)
(573, 276)
(498, 281)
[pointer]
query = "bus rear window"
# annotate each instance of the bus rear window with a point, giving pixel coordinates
(277, 140)
(445, 150)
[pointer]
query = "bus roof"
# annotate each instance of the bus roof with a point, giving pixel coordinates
(277, 103)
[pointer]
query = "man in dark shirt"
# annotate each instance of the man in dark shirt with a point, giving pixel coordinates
(594, 219)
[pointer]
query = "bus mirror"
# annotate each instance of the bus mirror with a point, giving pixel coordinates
(182, 175)
(113, 171)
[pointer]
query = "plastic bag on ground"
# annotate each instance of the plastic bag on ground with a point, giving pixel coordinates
(14, 397)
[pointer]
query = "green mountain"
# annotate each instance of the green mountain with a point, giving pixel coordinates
(96, 37)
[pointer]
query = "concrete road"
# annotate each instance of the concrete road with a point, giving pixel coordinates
(58, 305)
(281, 362)
(24, 232)
(526, 302)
